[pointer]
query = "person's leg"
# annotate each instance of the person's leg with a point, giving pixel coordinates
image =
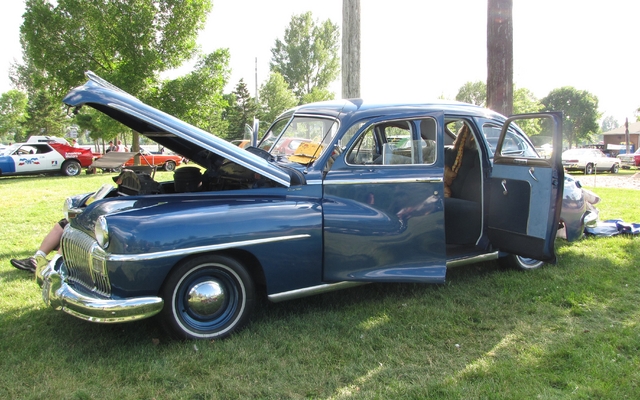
(52, 241)
(49, 243)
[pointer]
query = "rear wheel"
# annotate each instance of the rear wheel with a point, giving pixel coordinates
(169, 166)
(208, 297)
(71, 168)
(588, 170)
(519, 262)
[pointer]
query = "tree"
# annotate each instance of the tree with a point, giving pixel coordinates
(197, 97)
(45, 115)
(473, 93)
(609, 123)
(500, 56)
(13, 114)
(580, 112)
(275, 97)
(242, 110)
(307, 57)
(525, 102)
(99, 125)
(126, 42)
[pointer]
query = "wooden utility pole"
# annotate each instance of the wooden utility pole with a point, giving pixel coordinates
(500, 56)
(350, 49)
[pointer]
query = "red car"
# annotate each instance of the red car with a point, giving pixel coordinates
(168, 162)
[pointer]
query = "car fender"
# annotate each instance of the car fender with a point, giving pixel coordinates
(155, 237)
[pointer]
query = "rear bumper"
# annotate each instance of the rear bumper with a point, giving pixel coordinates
(60, 295)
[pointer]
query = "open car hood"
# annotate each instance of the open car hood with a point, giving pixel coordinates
(201, 147)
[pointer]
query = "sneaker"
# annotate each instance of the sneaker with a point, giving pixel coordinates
(26, 264)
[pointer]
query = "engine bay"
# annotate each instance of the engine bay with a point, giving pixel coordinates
(135, 181)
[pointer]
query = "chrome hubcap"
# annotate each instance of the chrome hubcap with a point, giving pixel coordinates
(206, 298)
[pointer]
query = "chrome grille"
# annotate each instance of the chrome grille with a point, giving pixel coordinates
(85, 261)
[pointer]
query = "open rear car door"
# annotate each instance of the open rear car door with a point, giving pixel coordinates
(525, 193)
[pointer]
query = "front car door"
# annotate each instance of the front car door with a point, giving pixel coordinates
(36, 157)
(383, 203)
(525, 196)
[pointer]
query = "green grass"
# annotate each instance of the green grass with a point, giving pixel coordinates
(569, 330)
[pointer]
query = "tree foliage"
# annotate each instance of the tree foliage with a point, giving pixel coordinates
(13, 114)
(197, 97)
(45, 115)
(126, 42)
(307, 57)
(609, 123)
(275, 97)
(473, 93)
(242, 110)
(580, 112)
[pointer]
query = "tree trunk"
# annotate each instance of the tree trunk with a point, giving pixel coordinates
(500, 56)
(350, 49)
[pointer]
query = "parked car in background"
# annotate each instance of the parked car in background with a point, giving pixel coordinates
(39, 157)
(347, 207)
(630, 160)
(168, 162)
(589, 161)
(47, 139)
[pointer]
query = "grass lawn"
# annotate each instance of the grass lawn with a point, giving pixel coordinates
(569, 330)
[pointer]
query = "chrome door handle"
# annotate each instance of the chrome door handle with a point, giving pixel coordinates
(531, 171)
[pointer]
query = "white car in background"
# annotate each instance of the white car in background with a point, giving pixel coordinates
(589, 161)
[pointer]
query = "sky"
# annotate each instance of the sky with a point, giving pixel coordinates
(421, 50)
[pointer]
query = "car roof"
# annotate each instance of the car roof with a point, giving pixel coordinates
(364, 108)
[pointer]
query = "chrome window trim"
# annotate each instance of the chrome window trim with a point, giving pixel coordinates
(383, 180)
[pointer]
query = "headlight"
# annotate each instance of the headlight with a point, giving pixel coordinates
(102, 232)
(68, 205)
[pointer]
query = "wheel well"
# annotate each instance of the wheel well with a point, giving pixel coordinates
(71, 159)
(248, 260)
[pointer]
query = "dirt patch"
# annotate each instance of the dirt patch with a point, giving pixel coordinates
(610, 180)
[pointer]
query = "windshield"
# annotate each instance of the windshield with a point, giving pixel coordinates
(300, 139)
(10, 149)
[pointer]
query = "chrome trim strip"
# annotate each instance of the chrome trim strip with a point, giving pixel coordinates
(472, 260)
(313, 290)
(57, 294)
(314, 182)
(383, 180)
(199, 249)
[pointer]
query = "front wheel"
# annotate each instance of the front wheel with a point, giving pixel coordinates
(71, 168)
(169, 166)
(588, 170)
(519, 262)
(208, 297)
(615, 168)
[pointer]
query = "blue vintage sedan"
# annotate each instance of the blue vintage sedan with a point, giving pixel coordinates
(369, 193)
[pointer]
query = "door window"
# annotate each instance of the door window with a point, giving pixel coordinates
(404, 142)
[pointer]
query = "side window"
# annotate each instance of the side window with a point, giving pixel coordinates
(400, 142)
(428, 136)
(514, 144)
(364, 150)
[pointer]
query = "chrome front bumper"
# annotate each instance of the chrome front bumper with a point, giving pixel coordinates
(61, 296)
